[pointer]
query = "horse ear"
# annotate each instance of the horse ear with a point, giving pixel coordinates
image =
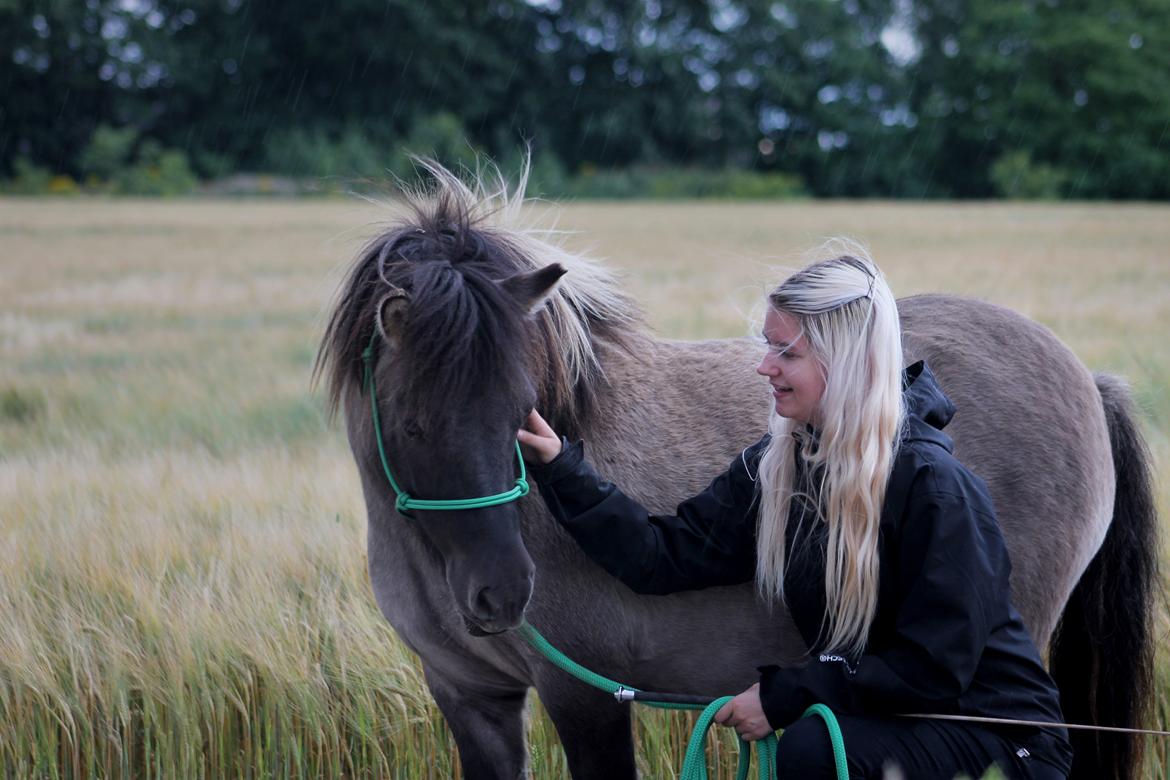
(533, 288)
(392, 315)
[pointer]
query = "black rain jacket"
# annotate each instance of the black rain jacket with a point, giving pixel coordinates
(945, 638)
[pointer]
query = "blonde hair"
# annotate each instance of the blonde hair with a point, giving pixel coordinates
(849, 319)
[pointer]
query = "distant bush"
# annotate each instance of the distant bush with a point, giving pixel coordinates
(316, 153)
(156, 171)
(547, 178)
(356, 158)
(114, 161)
(1015, 176)
(210, 165)
(439, 136)
(63, 185)
(672, 183)
(174, 173)
(614, 183)
(755, 185)
(28, 178)
(108, 152)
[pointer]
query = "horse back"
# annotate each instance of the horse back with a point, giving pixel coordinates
(1029, 421)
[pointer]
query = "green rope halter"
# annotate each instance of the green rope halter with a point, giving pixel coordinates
(404, 502)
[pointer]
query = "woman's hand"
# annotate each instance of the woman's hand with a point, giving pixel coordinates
(538, 442)
(745, 714)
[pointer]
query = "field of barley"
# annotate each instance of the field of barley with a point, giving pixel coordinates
(182, 558)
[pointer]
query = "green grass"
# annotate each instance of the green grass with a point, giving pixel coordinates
(182, 559)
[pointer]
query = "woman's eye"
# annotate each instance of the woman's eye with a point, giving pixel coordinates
(784, 352)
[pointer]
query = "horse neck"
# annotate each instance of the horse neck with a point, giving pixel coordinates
(670, 415)
(579, 409)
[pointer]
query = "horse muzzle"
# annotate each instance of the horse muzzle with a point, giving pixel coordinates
(498, 607)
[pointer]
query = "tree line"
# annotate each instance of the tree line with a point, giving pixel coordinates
(893, 98)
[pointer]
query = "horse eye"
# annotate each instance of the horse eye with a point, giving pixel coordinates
(412, 429)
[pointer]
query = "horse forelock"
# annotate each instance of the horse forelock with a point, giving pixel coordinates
(461, 331)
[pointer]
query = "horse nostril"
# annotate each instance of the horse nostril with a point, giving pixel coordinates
(484, 607)
(501, 605)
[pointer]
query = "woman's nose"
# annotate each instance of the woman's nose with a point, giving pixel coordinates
(767, 366)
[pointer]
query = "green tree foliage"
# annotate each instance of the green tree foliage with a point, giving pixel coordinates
(108, 151)
(156, 171)
(298, 151)
(1079, 88)
(786, 87)
(117, 160)
(346, 75)
(1015, 176)
(919, 98)
(28, 178)
(52, 92)
(438, 136)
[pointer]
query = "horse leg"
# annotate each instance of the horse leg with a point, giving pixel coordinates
(593, 728)
(488, 727)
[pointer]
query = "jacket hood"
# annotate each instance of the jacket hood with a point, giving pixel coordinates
(928, 409)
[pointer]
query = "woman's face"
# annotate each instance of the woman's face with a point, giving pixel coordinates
(796, 377)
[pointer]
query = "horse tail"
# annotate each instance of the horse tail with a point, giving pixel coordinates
(1102, 655)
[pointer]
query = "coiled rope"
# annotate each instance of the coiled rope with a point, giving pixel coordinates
(695, 761)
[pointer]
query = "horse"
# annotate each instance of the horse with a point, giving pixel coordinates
(471, 316)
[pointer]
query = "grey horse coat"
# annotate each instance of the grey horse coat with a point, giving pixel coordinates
(661, 417)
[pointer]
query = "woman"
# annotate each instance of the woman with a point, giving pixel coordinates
(854, 514)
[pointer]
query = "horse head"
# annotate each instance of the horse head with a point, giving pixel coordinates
(450, 346)
(446, 333)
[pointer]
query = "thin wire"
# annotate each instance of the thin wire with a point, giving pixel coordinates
(1048, 724)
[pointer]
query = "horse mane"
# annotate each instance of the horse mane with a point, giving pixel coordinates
(452, 245)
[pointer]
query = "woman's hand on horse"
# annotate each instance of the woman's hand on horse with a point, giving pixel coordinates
(538, 442)
(745, 714)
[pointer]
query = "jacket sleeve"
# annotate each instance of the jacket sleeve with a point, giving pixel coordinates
(709, 540)
(952, 592)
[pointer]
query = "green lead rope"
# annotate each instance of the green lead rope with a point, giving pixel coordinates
(695, 762)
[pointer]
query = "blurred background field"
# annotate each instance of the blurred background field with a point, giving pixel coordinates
(182, 573)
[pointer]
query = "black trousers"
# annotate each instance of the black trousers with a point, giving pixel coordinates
(919, 749)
